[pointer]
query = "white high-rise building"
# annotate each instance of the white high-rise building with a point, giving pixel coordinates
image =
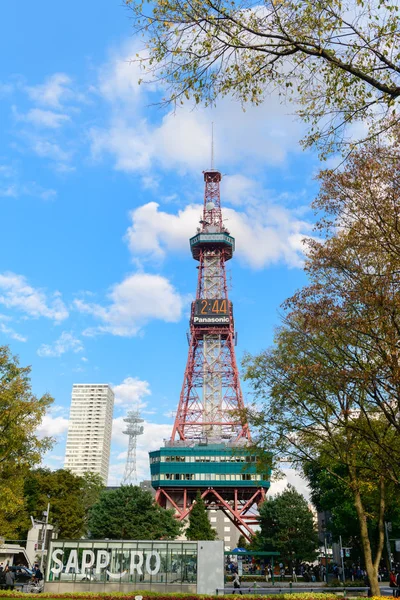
(89, 431)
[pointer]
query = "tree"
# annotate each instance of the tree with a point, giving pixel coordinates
(21, 413)
(130, 513)
(308, 415)
(70, 496)
(337, 60)
(330, 386)
(287, 526)
(331, 496)
(242, 542)
(199, 524)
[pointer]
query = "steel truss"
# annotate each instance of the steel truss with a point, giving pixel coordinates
(238, 504)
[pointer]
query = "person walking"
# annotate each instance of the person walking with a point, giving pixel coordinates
(266, 572)
(397, 589)
(10, 579)
(392, 582)
(236, 583)
(294, 575)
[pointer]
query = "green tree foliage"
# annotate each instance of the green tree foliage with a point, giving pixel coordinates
(70, 496)
(20, 448)
(131, 513)
(338, 60)
(330, 387)
(287, 526)
(242, 542)
(332, 496)
(199, 524)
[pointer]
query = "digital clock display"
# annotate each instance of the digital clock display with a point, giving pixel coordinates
(211, 312)
(211, 307)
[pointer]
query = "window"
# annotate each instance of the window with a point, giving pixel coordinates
(227, 538)
(228, 529)
(213, 519)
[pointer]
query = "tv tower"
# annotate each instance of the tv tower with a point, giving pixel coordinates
(133, 429)
(209, 449)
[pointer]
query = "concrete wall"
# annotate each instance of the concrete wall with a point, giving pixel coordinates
(210, 566)
(62, 587)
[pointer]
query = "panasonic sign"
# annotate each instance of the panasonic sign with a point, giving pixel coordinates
(211, 320)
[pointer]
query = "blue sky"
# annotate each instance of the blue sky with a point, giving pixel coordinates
(99, 192)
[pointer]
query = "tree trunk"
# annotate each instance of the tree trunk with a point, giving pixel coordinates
(370, 565)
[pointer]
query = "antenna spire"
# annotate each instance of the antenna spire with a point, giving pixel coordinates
(212, 145)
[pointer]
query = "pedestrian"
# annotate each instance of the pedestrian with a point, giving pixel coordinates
(392, 582)
(236, 583)
(38, 574)
(266, 572)
(294, 575)
(397, 584)
(10, 579)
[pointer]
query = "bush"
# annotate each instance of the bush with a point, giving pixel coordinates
(161, 596)
(348, 583)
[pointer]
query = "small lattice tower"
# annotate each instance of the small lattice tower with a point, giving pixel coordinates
(209, 449)
(133, 430)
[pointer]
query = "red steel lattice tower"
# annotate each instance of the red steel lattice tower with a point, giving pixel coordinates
(209, 446)
(211, 399)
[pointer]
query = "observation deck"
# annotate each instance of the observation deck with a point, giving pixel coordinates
(212, 241)
(204, 466)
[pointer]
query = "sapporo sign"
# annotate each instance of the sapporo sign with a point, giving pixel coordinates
(139, 561)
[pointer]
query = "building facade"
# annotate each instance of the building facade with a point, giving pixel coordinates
(89, 431)
(104, 566)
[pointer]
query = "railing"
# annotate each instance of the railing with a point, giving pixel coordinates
(245, 589)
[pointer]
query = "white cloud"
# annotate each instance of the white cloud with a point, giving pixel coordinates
(53, 92)
(292, 477)
(11, 333)
(127, 143)
(52, 426)
(240, 190)
(15, 292)
(6, 171)
(135, 301)
(182, 139)
(11, 187)
(9, 191)
(131, 391)
(65, 343)
(153, 232)
(118, 79)
(262, 135)
(266, 233)
(46, 149)
(15, 190)
(43, 118)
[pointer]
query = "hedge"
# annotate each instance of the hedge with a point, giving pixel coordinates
(165, 596)
(161, 596)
